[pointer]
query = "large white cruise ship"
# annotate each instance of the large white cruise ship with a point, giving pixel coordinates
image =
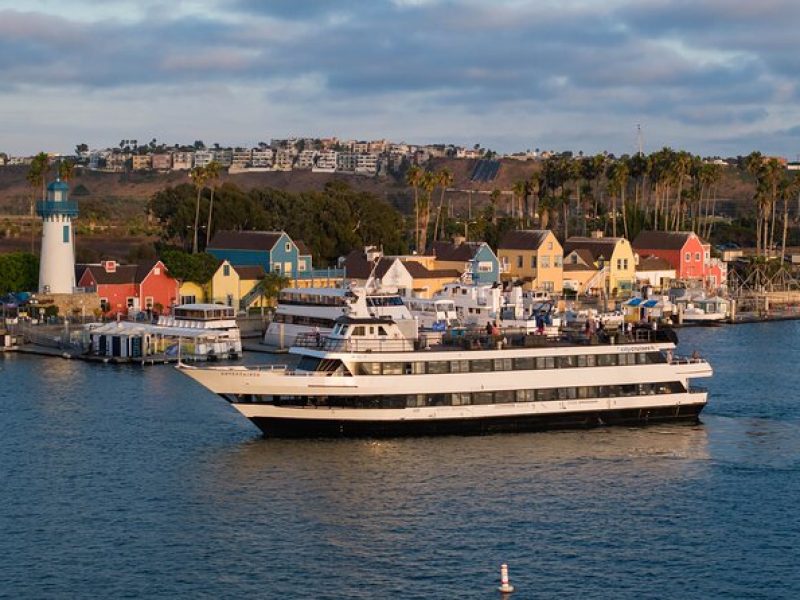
(374, 376)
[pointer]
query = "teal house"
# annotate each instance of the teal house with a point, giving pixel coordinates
(476, 261)
(275, 251)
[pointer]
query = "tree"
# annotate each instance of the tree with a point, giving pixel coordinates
(428, 184)
(494, 198)
(212, 174)
(36, 177)
(414, 179)
(199, 177)
(444, 178)
(66, 169)
(19, 272)
(521, 188)
(271, 285)
(198, 268)
(617, 176)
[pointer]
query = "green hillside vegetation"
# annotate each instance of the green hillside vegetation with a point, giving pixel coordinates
(331, 222)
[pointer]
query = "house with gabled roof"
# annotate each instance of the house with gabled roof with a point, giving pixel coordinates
(475, 261)
(273, 251)
(409, 275)
(232, 284)
(654, 271)
(684, 250)
(534, 257)
(124, 288)
(613, 256)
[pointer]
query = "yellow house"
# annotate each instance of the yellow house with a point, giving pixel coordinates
(614, 256)
(191, 292)
(230, 284)
(534, 256)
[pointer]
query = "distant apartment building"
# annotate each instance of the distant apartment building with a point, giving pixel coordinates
(141, 162)
(161, 162)
(378, 146)
(346, 161)
(367, 164)
(241, 159)
(328, 143)
(97, 159)
(284, 160)
(224, 156)
(262, 158)
(305, 160)
(326, 162)
(361, 147)
(182, 161)
(203, 157)
(117, 162)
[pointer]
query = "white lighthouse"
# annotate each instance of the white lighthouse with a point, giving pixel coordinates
(57, 261)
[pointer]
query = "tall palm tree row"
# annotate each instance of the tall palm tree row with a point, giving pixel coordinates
(213, 170)
(199, 177)
(37, 178)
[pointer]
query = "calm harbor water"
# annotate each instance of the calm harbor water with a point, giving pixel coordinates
(119, 482)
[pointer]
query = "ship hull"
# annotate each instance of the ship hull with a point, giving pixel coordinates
(338, 428)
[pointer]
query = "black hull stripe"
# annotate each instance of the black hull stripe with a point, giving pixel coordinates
(302, 428)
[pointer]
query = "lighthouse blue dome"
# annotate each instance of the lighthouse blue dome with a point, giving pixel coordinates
(58, 185)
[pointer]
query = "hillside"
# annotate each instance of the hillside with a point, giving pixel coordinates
(121, 197)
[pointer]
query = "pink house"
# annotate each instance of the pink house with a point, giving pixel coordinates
(683, 250)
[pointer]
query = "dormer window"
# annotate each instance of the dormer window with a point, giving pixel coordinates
(288, 247)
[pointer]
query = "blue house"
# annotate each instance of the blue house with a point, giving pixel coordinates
(476, 261)
(274, 251)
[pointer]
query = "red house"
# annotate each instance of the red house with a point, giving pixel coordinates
(683, 250)
(122, 288)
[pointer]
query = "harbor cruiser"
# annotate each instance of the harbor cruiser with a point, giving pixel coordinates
(311, 310)
(373, 376)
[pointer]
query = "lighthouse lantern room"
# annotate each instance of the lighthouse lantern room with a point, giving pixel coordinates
(57, 261)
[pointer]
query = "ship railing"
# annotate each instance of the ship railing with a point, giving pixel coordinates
(328, 344)
(270, 367)
(687, 360)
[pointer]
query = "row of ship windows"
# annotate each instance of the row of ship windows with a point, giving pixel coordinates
(473, 398)
(522, 363)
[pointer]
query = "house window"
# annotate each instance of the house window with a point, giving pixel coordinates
(545, 262)
(301, 266)
(148, 303)
(226, 270)
(548, 286)
(549, 245)
(533, 261)
(276, 267)
(104, 304)
(157, 271)
(519, 261)
(129, 301)
(287, 267)
(188, 299)
(619, 264)
(66, 234)
(484, 266)
(558, 260)
(708, 255)
(288, 246)
(697, 256)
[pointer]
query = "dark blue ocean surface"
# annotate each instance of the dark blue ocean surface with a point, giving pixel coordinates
(119, 482)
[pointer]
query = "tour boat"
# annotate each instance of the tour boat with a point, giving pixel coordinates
(311, 310)
(376, 376)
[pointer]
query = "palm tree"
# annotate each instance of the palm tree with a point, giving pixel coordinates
(212, 175)
(444, 179)
(429, 182)
(36, 177)
(199, 177)
(66, 169)
(494, 198)
(617, 182)
(414, 179)
(754, 165)
(521, 188)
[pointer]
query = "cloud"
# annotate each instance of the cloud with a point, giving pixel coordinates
(510, 71)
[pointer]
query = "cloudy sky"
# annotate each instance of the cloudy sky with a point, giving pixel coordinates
(712, 77)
